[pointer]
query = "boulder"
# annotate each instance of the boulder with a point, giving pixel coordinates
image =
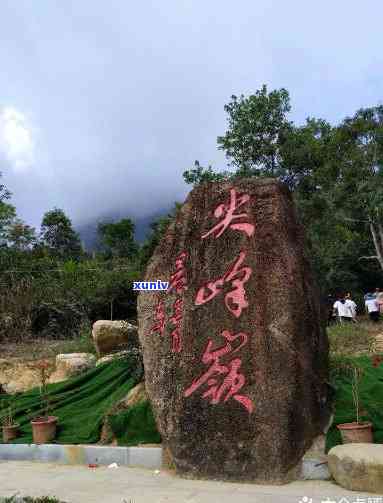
(235, 351)
(111, 336)
(71, 364)
(18, 376)
(358, 467)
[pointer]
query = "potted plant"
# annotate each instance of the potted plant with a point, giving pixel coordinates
(44, 427)
(9, 427)
(357, 431)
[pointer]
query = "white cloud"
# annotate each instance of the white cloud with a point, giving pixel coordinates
(16, 139)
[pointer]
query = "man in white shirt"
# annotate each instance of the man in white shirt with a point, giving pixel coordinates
(351, 304)
(372, 308)
(343, 310)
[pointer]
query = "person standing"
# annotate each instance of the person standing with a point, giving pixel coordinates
(343, 310)
(352, 306)
(379, 300)
(372, 308)
(331, 315)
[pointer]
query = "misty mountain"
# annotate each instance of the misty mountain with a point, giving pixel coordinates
(88, 232)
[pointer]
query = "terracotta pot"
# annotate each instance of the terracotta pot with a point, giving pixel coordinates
(44, 429)
(356, 433)
(10, 432)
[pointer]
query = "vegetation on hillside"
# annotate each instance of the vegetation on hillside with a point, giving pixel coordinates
(50, 287)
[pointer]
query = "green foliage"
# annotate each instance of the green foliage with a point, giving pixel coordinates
(58, 236)
(369, 383)
(7, 212)
(199, 174)
(118, 238)
(335, 173)
(20, 235)
(81, 402)
(256, 127)
(80, 343)
(135, 425)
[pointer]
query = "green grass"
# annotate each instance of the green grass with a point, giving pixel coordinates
(351, 339)
(83, 343)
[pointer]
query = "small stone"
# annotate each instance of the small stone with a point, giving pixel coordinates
(357, 467)
(111, 357)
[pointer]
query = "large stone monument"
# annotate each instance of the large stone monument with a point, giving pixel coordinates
(234, 351)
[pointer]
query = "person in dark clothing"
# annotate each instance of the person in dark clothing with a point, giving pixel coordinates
(331, 315)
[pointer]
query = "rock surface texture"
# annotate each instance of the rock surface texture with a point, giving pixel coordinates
(17, 376)
(71, 364)
(234, 351)
(110, 336)
(358, 467)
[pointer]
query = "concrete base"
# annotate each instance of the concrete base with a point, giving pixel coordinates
(147, 457)
(312, 468)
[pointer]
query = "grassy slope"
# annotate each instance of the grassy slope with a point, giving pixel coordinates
(355, 344)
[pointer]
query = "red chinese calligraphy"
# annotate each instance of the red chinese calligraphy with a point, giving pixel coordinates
(160, 318)
(232, 381)
(178, 281)
(236, 299)
(226, 212)
(176, 320)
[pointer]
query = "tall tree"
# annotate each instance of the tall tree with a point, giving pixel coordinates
(58, 235)
(20, 235)
(257, 125)
(257, 129)
(118, 238)
(358, 189)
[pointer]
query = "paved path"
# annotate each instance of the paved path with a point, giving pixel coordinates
(80, 484)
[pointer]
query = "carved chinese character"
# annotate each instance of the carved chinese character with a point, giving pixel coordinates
(235, 300)
(160, 318)
(178, 281)
(223, 381)
(176, 340)
(177, 311)
(226, 211)
(176, 320)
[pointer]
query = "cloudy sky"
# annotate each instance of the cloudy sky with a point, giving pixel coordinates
(103, 104)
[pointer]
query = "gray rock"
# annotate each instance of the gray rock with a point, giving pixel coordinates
(71, 364)
(358, 467)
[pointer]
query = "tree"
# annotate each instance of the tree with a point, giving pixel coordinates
(334, 173)
(118, 238)
(199, 174)
(7, 212)
(257, 129)
(20, 235)
(58, 235)
(257, 126)
(358, 191)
